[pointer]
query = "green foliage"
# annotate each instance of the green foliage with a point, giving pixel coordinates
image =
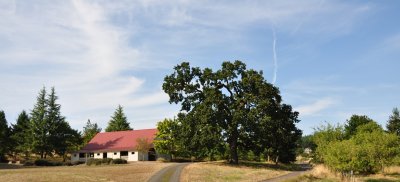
(354, 122)
(369, 149)
(167, 139)
(20, 135)
(118, 121)
(228, 109)
(393, 124)
(93, 161)
(323, 136)
(50, 133)
(4, 136)
(89, 131)
(119, 161)
(41, 162)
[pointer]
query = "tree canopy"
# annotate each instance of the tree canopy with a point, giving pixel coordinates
(50, 133)
(354, 122)
(89, 131)
(21, 133)
(232, 106)
(4, 136)
(393, 124)
(118, 121)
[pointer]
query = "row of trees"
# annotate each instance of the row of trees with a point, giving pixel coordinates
(46, 132)
(361, 145)
(228, 113)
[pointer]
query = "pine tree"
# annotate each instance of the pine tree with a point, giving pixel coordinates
(20, 134)
(89, 131)
(393, 125)
(39, 126)
(118, 121)
(4, 136)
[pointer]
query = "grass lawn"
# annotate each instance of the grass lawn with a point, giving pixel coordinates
(138, 171)
(220, 171)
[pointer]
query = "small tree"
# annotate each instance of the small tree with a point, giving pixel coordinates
(118, 121)
(354, 122)
(20, 135)
(89, 131)
(143, 146)
(393, 125)
(4, 136)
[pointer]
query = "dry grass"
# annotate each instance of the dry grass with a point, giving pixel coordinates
(218, 171)
(320, 173)
(138, 171)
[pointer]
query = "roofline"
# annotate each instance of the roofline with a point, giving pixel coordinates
(128, 130)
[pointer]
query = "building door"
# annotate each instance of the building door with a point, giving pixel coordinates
(104, 155)
(152, 154)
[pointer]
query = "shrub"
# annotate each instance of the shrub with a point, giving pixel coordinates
(119, 161)
(106, 161)
(41, 162)
(68, 163)
(29, 163)
(94, 162)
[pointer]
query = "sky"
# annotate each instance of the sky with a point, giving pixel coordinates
(330, 59)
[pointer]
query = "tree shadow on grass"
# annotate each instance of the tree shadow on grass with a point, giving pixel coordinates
(259, 165)
(380, 180)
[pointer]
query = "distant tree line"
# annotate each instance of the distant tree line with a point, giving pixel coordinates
(360, 145)
(232, 113)
(45, 131)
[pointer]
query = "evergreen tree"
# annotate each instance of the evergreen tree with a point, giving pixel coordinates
(354, 122)
(4, 136)
(89, 131)
(20, 135)
(118, 121)
(393, 125)
(39, 126)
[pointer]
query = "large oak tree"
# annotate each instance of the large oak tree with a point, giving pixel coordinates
(234, 105)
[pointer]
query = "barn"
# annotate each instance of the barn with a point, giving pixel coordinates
(118, 145)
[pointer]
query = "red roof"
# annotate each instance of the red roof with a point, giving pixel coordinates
(118, 140)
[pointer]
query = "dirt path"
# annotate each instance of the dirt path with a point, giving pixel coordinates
(170, 173)
(291, 175)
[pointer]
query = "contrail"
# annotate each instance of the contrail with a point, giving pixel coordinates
(275, 57)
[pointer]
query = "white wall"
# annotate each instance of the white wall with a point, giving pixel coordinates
(133, 157)
(137, 156)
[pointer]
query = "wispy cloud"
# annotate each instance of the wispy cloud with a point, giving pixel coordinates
(315, 107)
(99, 54)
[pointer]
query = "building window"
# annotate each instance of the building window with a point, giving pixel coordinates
(74, 155)
(81, 155)
(124, 153)
(91, 155)
(98, 154)
(115, 153)
(133, 152)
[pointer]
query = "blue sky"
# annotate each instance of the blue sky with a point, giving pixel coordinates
(330, 59)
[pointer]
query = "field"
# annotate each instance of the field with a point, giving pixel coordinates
(220, 171)
(138, 171)
(321, 174)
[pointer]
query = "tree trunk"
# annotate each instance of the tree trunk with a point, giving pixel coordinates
(234, 159)
(41, 155)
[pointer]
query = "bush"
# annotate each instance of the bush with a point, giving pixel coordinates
(68, 163)
(94, 162)
(29, 163)
(119, 161)
(41, 162)
(106, 161)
